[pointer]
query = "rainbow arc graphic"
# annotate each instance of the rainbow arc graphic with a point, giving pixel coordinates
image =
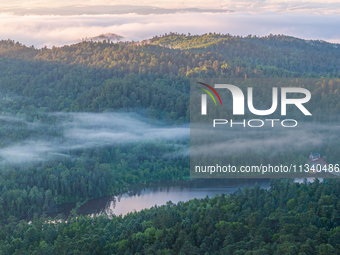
(208, 92)
(204, 97)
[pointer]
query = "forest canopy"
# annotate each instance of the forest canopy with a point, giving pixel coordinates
(152, 78)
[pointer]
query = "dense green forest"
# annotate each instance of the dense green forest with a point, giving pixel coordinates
(289, 218)
(153, 79)
(98, 76)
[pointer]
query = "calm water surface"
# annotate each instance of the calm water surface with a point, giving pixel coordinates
(148, 196)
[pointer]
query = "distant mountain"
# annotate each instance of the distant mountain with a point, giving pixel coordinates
(100, 38)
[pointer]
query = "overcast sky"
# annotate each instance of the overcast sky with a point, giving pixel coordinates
(63, 22)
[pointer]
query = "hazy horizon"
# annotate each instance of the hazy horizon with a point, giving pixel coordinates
(245, 5)
(61, 23)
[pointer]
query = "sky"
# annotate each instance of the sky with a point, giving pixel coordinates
(58, 23)
(166, 3)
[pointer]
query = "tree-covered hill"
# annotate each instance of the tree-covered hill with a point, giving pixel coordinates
(286, 52)
(97, 76)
